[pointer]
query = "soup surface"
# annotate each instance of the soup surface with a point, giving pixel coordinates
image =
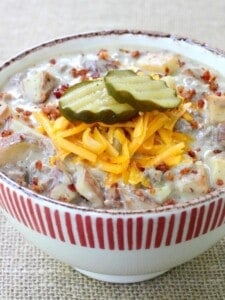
(153, 157)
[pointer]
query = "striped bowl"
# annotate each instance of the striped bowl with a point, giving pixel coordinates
(109, 245)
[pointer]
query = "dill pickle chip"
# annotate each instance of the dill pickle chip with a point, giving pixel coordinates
(141, 92)
(90, 102)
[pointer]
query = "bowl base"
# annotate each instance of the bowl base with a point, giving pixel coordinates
(120, 278)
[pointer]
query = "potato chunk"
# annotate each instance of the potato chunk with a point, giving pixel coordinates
(193, 183)
(216, 106)
(217, 170)
(88, 187)
(164, 63)
(38, 86)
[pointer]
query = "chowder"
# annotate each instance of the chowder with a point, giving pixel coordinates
(67, 142)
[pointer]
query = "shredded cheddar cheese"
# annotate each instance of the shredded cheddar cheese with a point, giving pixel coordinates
(121, 150)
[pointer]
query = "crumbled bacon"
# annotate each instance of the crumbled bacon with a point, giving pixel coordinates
(169, 176)
(194, 124)
(35, 180)
(114, 185)
(162, 167)
(58, 93)
(185, 171)
(6, 133)
(167, 71)
(79, 73)
(191, 153)
(201, 103)
(194, 171)
(71, 187)
(52, 61)
(103, 54)
(187, 94)
(213, 86)
(38, 165)
(219, 182)
(217, 151)
(209, 78)
(140, 167)
(51, 111)
(135, 53)
(206, 76)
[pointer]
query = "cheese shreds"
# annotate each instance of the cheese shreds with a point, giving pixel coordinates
(121, 150)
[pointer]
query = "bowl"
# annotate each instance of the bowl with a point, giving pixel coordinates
(115, 246)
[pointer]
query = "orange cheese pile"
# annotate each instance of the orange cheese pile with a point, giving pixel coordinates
(121, 150)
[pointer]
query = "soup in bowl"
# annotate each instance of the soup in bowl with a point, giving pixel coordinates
(112, 150)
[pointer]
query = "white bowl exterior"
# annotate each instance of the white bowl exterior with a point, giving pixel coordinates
(120, 244)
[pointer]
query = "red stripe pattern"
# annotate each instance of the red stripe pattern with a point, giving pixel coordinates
(114, 232)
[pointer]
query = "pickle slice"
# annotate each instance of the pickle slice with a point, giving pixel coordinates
(90, 102)
(141, 92)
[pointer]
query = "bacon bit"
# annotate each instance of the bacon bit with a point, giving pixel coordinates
(169, 202)
(206, 76)
(35, 180)
(22, 137)
(6, 133)
(194, 124)
(167, 71)
(169, 176)
(194, 171)
(135, 54)
(218, 94)
(162, 167)
(72, 187)
(51, 111)
(38, 165)
(79, 73)
(211, 80)
(187, 94)
(217, 151)
(213, 86)
(58, 93)
(103, 54)
(142, 169)
(191, 153)
(185, 171)
(52, 61)
(219, 182)
(201, 103)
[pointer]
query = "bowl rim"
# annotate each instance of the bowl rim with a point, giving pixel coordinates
(155, 34)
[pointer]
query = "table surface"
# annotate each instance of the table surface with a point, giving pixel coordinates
(26, 272)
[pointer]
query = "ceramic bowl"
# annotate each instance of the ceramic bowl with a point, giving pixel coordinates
(115, 246)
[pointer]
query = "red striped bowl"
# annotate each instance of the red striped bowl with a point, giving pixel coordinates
(107, 245)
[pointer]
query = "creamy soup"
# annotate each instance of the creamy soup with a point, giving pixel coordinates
(153, 158)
